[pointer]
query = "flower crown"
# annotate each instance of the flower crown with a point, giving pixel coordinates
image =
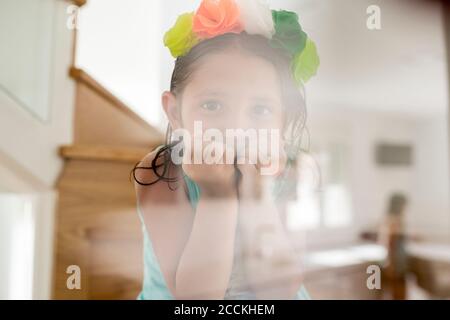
(216, 17)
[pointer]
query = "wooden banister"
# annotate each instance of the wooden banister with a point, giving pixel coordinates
(106, 153)
(80, 75)
(103, 119)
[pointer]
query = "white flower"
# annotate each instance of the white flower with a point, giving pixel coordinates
(256, 17)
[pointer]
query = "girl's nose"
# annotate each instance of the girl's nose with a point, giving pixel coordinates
(240, 119)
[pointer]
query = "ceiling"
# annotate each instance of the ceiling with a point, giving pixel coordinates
(400, 68)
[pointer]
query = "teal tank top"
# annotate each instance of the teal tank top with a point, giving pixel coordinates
(154, 286)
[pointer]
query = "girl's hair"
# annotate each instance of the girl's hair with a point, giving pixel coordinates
(292, 95)
(397, 203)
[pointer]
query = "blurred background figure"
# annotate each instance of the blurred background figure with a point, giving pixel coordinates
(392, 237)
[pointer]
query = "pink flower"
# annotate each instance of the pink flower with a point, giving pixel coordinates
(217, 17)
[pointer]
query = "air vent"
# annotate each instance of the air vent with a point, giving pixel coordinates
(394, 154)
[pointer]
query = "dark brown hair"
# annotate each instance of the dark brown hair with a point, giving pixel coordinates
(292, 93)
(397, 203)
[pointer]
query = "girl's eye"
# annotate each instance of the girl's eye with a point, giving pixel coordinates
(261, 110)
(211, 106)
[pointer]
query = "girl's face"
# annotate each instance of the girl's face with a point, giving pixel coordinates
(231, 90)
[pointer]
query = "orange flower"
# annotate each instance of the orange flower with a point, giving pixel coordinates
(217, 17)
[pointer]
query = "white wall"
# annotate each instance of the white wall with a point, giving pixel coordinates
(426, 182)
(431, 183)
(31, 136)
(118, 44)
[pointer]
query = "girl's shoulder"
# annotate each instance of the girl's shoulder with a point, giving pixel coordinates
(149, 184)
(143, 171)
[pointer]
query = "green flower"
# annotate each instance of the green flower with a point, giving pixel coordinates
(306, 63)
(288, 32)
(180, 38)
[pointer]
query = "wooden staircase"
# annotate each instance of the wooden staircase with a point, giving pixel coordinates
(97, 227)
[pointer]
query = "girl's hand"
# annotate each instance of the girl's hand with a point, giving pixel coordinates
(254, 182)
(274, 163)
(216, 179)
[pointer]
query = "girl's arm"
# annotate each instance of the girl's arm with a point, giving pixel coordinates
(271, 261)
(194, 250)
(205, 265)
(276, 275)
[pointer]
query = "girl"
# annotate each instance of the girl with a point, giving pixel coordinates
(240, 66)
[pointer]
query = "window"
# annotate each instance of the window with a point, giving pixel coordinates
(16, 247)
(323, 196)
